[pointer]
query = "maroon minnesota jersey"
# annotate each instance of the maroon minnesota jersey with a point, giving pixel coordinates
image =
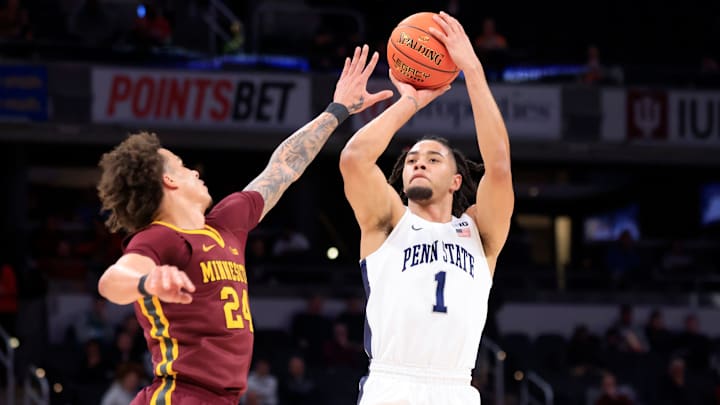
(206, 343)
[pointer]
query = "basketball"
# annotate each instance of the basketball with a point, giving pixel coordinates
(416, 57)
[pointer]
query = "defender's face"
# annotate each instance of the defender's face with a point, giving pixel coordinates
(185, 180)
(429, 171)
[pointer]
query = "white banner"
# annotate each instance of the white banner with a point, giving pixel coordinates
(530, 112)
(661, 117)
(196, 99)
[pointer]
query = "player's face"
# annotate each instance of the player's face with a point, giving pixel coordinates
(186, 180)
(429, 171)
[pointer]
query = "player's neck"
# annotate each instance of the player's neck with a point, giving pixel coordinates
(436, 211)
(183, 214)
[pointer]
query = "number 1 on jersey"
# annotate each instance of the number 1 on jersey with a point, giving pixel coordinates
(440, 293)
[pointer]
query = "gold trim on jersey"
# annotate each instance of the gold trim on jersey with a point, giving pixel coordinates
(160, 331)
(163, 395)
(208, 231)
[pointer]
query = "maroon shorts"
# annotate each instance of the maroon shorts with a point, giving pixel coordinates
(171, 392)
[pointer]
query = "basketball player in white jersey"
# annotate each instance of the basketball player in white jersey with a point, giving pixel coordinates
(428, 265)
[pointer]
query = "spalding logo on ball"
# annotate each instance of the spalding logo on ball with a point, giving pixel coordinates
(417, 57)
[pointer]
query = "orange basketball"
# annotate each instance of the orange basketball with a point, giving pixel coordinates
(415, 56)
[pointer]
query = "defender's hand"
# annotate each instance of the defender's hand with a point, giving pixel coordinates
(351, 88)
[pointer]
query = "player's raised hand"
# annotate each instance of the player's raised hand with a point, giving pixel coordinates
(456, 41)
(351, 88)
(170, 284)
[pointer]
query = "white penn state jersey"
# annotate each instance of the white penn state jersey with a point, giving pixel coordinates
(428, 287)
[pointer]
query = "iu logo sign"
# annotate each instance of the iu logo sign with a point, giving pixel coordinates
(647, 115)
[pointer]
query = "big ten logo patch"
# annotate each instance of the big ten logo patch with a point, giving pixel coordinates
(647, 114)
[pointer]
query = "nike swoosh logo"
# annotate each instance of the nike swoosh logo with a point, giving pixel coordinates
(207, 248)
(415, 229)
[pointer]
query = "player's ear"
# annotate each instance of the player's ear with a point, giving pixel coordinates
(456, 182)
(169, 181)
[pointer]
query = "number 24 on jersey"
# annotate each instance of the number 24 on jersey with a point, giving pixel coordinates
(233, 319)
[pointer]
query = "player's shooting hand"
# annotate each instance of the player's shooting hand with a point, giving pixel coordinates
(170, 284)
(456, 41)
(421, 97)
(351, 88)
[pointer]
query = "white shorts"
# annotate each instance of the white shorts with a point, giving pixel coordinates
(392, 385)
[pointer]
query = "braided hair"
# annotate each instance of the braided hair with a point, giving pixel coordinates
(464, 197)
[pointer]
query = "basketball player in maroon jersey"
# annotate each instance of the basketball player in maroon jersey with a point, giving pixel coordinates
(184, 270)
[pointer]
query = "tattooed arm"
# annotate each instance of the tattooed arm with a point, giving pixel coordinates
(295, 153)
(291, 158)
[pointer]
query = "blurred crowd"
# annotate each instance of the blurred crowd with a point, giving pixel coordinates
(632, 362)
(69, 247)
(85, 23)
(319, 359)
(325, 32)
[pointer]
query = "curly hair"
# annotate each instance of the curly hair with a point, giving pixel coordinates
(464, 196)
(130, 186)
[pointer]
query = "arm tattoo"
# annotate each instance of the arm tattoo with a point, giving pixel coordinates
(291, 158)
(354, 107)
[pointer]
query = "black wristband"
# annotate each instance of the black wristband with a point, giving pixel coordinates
(141, 286)
(340, 112)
